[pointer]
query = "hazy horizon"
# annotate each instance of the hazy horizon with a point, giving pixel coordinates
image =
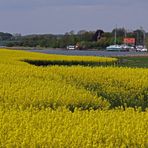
(58, 17)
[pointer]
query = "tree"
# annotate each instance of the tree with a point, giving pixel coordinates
(119, 31)
(81, 32)
(5, 36)
(98, 34)
(139, 36)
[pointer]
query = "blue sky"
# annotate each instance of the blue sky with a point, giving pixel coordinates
(60, 16)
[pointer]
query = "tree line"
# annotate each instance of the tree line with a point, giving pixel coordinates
(83, 39)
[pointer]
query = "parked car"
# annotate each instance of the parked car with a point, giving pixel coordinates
(141, 48)
(144, 49)
(71, 47)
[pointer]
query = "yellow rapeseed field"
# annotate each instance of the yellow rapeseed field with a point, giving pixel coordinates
(71, 106)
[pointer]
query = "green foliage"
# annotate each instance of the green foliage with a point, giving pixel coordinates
(136, 61)
(83, 37)
(5, 36)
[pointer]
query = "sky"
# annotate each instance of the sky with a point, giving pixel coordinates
(61, 16)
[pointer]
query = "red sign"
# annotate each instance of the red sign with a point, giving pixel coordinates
(129, 40)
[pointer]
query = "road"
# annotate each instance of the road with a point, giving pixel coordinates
(88, 52)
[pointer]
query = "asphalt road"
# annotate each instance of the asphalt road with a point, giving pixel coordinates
(88, 52)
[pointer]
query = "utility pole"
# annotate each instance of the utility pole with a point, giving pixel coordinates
(137, 38)
(141, 28)
(125, 35)
(115, 39)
